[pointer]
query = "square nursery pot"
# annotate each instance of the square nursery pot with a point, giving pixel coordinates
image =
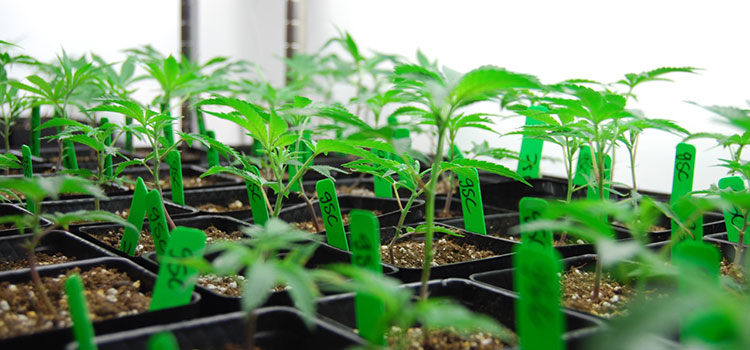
(189, 171)
(224, 196)
(498, 304)
(456, 211)
(214, 302)
(501, 259)
(188, 156)
(113, 204)
(278, 328)
(58, 337)
(13, 248)
(7, 209)
(388, 207)
(94, 232)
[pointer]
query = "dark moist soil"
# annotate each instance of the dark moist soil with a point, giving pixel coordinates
(440, 214)
(41, 260)
(730, 270)
(166, 184)
(146, 243)
(216, 208)
(577, 287)
(109, 294)
(310, 227)
(445, 339)
(411, 254)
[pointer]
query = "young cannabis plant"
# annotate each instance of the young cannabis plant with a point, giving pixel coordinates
(36, 190)
(440, 96)
(12, 103)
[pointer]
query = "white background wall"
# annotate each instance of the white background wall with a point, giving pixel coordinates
(554, 40)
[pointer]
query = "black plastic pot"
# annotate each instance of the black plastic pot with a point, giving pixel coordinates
(216, 303)
(503, 249)
(225, 195)
(7, 209)
(388, 207)
(14, 247)
(188, 170)
(498, 304)
(57, 338)
(112, 204)
(278, 328)
(455, 206)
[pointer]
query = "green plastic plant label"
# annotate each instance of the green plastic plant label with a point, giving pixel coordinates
(304, 154)
(682, 185)
(531, 150)
(137, 213)
(382, 187)
(733, 218)
(201, 122)
(593, 192)
(531, 209)
(583, 167)
(255, 196)
(365, 236)
(212, 155)
(83, 329)
(331, 212)
(175, 177)
(157, 222)
(70, 160)
(176, 280)
(108, 170)
(36, 134)
(168, 129)
(699, 261)
(539, 320)
(471, 202)
(162, 341)
(129, 136)
(26, 162)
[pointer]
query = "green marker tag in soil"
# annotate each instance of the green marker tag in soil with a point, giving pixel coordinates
(381, 186)
(682, 184)
(365, 236)
(168, 130)
(176, 280)
(201, 122)
(583, 167)
(157, 222)
(305, 154)
(531, 209)
(255, 196)
(531, 151)
(471, 202)
(70, 161)
(83, 329)
(137, 213)
(331, 211)
(26, 162)
(175, 177)
(593, 192)
(163, 341)
(108, 170)
(699, 263)
(212, 155)
(539, 320)
(129, 136)
(733, 218)
(36, 134)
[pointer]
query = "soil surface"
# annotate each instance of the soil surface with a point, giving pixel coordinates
(577, 287)
(444, 339)
(41, 260)
(216, 208)
(166, 184)
(225, 285)
(411, 253)
(440, 214)
(109, 294)
(355, 190)
(310, 227)
(146, 243)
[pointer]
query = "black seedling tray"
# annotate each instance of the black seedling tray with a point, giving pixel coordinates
(388, 206)
(112, 205)
(456, 206)
(57, 338)
(14, 247)
(278, 328)
(216, 303)
(498, 304)
(7, 209)
(202, 222)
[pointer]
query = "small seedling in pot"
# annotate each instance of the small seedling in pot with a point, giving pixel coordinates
(12, 103)
(37, 189)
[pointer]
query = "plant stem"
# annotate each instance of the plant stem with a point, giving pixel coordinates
(252, 321)
(430, 213)
(401, 219)
(309, 206)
